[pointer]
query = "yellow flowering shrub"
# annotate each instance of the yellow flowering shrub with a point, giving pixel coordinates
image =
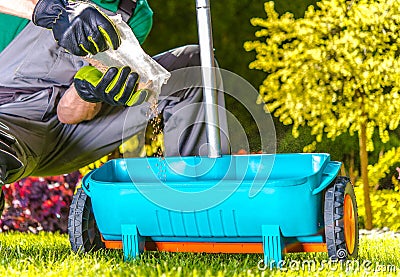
(385, 203)
(385, 208)
(333, 70)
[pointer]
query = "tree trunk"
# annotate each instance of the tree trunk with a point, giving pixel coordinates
(352, 173)
(364, 175)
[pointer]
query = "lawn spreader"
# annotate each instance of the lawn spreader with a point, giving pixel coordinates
(301, 204)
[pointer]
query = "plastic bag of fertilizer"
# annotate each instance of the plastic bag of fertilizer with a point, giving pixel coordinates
(130, 53)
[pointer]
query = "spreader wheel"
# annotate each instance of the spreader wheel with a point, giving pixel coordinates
(83, 232)
(341, 220)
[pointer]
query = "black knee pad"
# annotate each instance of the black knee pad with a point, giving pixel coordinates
(9, 162)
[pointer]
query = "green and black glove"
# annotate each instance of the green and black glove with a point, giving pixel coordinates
(80, 28)
(117, 87)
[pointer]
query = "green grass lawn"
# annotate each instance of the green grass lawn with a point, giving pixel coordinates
(50, 255)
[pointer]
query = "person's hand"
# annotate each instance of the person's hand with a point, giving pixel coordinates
(117, 87)
(80, 28)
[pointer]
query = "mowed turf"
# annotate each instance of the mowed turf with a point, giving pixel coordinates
(48, 254)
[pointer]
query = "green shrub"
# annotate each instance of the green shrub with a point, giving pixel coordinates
(385, 208)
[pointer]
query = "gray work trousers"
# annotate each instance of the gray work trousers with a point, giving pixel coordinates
(36, 73)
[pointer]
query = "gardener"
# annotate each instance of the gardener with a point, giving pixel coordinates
(57, 112)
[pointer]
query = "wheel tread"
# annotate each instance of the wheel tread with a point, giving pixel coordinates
(80, 205)
(333, 217)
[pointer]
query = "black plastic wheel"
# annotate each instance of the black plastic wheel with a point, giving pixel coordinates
(83, 232)
(341, 220)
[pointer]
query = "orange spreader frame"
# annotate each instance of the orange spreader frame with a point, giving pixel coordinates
(220, 247)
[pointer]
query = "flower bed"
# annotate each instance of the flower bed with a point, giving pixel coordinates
(35, 203)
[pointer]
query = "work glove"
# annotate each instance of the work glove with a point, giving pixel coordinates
(80, 28)
(117, 87)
